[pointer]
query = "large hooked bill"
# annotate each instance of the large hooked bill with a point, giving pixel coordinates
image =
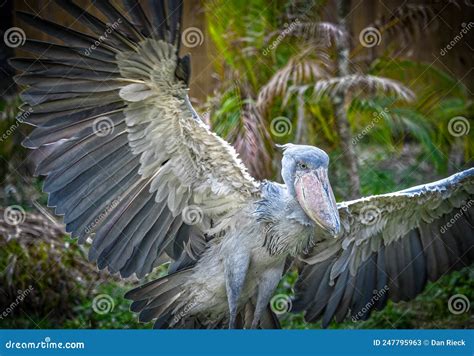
(315, 195)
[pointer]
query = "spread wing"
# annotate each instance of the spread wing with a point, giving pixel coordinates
(392, 244)
(126, 157)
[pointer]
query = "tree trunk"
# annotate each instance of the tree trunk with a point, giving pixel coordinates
(301, 123)
(342, 123)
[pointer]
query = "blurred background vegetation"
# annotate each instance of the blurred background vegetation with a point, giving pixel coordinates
(390, 114)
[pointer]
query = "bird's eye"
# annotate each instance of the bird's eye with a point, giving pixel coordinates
(303, 165)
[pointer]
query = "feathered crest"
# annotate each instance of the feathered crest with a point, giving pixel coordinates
(284, 147)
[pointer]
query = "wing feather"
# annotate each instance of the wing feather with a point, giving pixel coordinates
(392, 244)
(127, 185)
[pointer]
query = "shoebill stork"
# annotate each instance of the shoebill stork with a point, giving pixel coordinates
(132, 167)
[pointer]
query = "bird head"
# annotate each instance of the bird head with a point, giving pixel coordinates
(305, 172)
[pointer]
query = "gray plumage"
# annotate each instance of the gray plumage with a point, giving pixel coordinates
(158, 186)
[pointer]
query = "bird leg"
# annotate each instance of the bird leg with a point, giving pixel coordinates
(236, 267)
(267, 285)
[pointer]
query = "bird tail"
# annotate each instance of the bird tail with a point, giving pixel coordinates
(170, 303)
(163, 299)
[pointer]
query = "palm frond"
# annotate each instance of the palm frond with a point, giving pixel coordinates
(407, 21)
(380, 120)
(307, 10)
(252, 141)
(430, 83)
(402, 27)
(295, 72)
(418, 126)
(364, 85)
(324, 33)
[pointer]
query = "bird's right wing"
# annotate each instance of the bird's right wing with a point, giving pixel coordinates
(130, 163)
(391, 245)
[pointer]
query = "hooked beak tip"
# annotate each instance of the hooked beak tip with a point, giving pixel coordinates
(336, 231)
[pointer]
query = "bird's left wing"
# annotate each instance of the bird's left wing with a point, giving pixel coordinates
(391, 245)
(127, 159)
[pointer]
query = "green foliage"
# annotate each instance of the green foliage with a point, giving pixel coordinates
(58, 275)
(238, 29)
(227, 115)
(119, 317)
(257, 50)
